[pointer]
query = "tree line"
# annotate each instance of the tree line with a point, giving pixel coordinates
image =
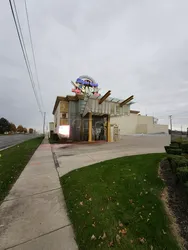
(6, 126)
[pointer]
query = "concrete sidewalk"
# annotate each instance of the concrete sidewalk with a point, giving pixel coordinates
(33, 216)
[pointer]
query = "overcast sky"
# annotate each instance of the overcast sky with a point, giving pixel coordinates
(137, 47)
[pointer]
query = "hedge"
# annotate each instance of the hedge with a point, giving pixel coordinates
(177, 161)
(182, 174)
(173, 150)
(184, 147)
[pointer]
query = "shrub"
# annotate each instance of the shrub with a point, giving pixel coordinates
(173, 150)
(177, 161)
(186, 187)
(184, 147)
(182, 174)
(174, 145)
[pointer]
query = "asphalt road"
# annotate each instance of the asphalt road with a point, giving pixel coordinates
(9, 140)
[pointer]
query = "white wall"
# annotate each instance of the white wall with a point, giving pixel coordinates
(137, 124)
(127, 124)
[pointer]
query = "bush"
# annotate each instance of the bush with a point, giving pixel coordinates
(182, 174)
(184, 147)
(173, 150)
(177, 161)
(174, 145)
(186, 187)
(54, 138)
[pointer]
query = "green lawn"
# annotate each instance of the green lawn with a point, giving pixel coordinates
(116, 204)
(13, 161)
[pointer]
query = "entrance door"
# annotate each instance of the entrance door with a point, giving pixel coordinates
(98, 129)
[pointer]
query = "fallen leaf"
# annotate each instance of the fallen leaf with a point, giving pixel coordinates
(90, 199)
(104, 236)
(111, 244)
(93, 237)
(120, 224)
(123, 231)
(81, 203)
(164, 232)
(142, 240)
(88, 212)
(93, 224)
(118, 238)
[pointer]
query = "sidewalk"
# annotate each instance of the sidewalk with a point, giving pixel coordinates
(33, 215)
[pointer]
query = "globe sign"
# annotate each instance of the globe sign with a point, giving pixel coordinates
(85, 85)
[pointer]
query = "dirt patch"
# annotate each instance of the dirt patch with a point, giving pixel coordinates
(176, 204)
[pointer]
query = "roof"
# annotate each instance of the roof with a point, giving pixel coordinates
(134, 112)
(67, 98)
(81, 97)
(58, 99)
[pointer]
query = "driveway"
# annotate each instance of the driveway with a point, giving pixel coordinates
(9, 140)
(73, 156)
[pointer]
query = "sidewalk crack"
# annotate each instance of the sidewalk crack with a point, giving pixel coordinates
(24, 242)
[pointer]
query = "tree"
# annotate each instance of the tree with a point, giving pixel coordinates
(4, 125)
(12, 127)
(25, 130)
(20, 129)
(31, 131)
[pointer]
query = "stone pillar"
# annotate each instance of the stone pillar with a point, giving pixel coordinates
(90, 127)
(108, 129)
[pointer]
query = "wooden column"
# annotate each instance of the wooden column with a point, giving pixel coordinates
(90, 128)
(108, 129)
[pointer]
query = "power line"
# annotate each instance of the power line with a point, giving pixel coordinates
(24, 51)
(33, 53)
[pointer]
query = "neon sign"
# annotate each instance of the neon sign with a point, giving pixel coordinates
(85, 85)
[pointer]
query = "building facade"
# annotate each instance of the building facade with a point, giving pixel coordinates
(88, 119)
(88, 116)
(134, 123)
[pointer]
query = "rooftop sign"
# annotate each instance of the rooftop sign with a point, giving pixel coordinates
(85, 85)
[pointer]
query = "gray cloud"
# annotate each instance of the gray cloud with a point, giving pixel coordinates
(130, 47)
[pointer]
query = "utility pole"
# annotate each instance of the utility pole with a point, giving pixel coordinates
(44, 123)
(170, 117)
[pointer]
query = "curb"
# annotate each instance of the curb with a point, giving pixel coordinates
(11, 146)
(15, 144)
